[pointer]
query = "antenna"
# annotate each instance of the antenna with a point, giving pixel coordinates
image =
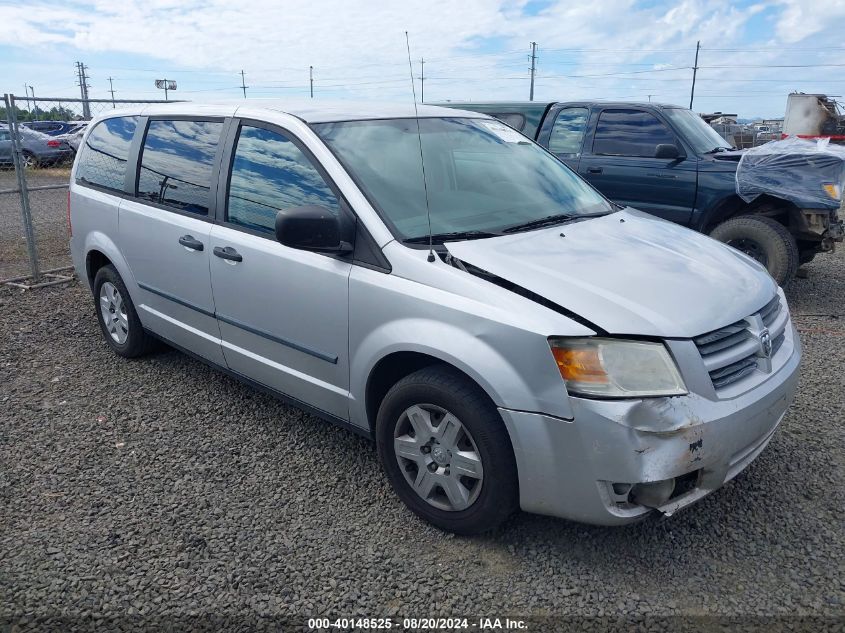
(422, 160)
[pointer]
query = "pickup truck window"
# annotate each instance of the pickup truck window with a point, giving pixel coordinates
(568, 131)
(630, 133)
(481, 176)
(514, 119)
(701, 136)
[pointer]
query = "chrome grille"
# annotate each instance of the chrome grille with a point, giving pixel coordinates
(733, 352)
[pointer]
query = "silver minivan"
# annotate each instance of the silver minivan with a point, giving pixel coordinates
(439, 283)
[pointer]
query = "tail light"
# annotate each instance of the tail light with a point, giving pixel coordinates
(69, 225)
(54, 143)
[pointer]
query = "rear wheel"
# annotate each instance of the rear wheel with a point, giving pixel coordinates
(29, 160)
(117, 316)
(764, 239)
(446, 451)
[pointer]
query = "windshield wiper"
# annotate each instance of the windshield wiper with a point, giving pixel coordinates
(549, 220)
(717, 150)
(454, 235)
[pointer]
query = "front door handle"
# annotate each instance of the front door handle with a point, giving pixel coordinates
(663, 175)
(228, 253)
(190, 242)
(594, 170)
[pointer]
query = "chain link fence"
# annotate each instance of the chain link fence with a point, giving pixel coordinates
(38, 141)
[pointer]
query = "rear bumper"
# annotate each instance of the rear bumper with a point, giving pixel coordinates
(568, 468)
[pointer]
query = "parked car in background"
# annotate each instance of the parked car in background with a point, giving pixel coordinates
(6, 158)
(74, 137)
(508, 336)
(40, 150)
(667, 161)
(51, 128)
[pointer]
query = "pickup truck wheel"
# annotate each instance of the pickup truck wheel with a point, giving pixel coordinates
(446, 452)
(116, 314)
(764, 239)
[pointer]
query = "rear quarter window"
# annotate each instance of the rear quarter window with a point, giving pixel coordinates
(103, 157)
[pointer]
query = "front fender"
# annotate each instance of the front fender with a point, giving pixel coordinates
(532, 383)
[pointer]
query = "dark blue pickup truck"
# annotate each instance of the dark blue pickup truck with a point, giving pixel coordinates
(667, 161)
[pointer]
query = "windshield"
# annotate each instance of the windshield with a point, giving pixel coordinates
(701, 136)
(481, 175)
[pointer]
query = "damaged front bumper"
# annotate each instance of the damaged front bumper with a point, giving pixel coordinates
(618, 460)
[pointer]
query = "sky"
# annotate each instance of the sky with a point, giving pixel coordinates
(752, 53)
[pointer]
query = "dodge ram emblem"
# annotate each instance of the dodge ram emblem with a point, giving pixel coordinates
(766, 343)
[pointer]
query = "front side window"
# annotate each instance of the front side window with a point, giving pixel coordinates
(177, 162)
(270, 174)
(630, 133)
(701, 136)
(4, 135)
(481, 175)
(103, 157)
(568, 131)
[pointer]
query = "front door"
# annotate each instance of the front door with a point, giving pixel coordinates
(621, 164)
(164, 233)
(282, 312)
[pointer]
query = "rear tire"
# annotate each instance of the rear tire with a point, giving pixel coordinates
(116, 314)
(456, 467)
(764, 239)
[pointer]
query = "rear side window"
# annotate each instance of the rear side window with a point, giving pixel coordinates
(630, 133)
(269, 174)
(177, 162)
(4, 135)
(568, 131)
(103, 158)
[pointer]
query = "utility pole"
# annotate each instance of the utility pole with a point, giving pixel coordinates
(34, 104)
(111, 90)
(422, 80)
(533, 69)
(83, 90)
(243, 82)
(694, 72)
(28, 103)
(311, 79)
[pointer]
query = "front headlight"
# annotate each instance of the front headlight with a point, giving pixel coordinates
(613, 368)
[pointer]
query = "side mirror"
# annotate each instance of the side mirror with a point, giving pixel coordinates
(667, 150)
(312, 228)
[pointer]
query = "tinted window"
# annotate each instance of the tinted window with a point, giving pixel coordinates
(270, 173)
(568, 131)
(176, 164)
(4, 135)
(630, 133)
(105, 153)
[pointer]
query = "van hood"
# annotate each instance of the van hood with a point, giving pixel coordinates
(629, 273)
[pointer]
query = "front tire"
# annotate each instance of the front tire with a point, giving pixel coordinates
(116, 314)
(446, 452)
(764, 239)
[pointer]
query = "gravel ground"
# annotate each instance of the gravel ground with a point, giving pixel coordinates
(48, 217)
(159, 489)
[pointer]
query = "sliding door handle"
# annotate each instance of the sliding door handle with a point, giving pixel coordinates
(228, 253)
